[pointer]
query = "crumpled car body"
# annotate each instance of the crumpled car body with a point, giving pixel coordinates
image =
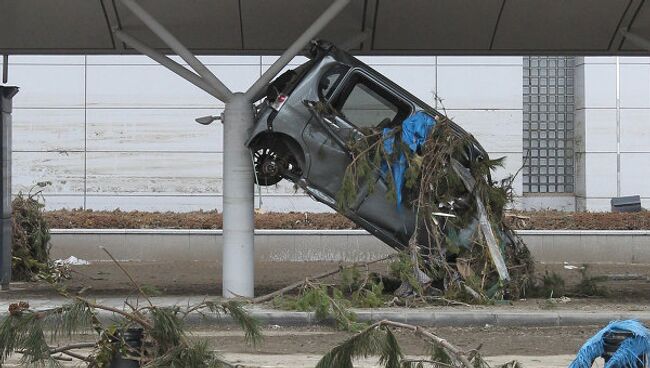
(296, 139)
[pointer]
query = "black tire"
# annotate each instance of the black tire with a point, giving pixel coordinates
(273, 161)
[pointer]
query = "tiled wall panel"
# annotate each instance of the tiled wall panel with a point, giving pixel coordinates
(121, 129)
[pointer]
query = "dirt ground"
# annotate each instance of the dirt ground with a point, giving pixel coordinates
(536, 347)
(204, 278)
(495, 341)
(538, 220)
(302, 347)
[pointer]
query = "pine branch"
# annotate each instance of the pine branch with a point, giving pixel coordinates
(130, 316)
(83, 345)
(377, 339)
(250, 326)
(296, 285)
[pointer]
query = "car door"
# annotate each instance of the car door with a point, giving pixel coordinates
(361, 105)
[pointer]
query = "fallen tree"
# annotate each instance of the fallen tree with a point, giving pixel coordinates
(461, 246)
(151, 335)
(31, 235)
(379, 340)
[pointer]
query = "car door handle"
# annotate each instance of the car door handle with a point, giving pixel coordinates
(331, 123)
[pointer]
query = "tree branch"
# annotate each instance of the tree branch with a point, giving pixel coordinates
(137, 286)
(270, 296)
(62, 349)
(458, 354)
(130, 316)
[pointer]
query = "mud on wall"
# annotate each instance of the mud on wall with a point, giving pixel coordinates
(119, 132)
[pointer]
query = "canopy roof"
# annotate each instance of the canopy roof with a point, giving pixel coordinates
(399, 27)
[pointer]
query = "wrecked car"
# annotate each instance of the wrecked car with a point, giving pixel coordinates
(295, 138)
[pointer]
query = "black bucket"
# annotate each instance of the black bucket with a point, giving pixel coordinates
(133, 339)
(613, 340)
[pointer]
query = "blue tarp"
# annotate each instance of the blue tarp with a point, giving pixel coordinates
(627, 355)
(415, 130)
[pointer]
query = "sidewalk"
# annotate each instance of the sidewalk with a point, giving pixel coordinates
(438, 316)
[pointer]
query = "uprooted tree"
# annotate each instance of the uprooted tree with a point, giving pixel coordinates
(31, 235)
(461, 246)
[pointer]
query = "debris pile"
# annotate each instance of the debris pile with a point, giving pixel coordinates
(31, 235)
(461, 247)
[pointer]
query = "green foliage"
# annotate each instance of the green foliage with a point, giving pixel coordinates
(25, 330)
(356, 290)
(167, 328)
(248, 324)
(31, 235)
(370, 296)
(351, 279)
(70, 319)
(368, 155)
(446, 209)
(402, 269)
(165, 340)
(373, 341)
(197, 355)
(379, 340)
(316, 298)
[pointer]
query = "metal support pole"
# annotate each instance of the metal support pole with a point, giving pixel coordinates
(636, 39)
(238, 200)
(5, 68)
(293, 50)
(6, 95)
(224, 92)
(166, 62)
(618, 126)
(355, 41)
(238, 196)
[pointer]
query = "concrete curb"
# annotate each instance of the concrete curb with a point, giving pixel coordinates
(449, 317)
(455, 318)
(422, 318)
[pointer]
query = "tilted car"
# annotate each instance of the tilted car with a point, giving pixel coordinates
(293, 139)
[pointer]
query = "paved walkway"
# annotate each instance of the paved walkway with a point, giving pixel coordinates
(310, 361)
(450, 316)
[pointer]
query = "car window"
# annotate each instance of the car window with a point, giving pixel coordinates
(288, 80)
(367, 105)
(330, 80)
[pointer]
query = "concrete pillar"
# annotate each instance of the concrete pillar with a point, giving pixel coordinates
(596, 120)
(238, 199)
(6, 95)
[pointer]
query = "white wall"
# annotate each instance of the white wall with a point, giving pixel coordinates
(596, 130)
(119, 132)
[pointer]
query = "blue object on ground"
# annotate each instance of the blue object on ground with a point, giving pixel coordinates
(415, 130)
(628, 353)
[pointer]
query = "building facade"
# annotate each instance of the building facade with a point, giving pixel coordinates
(118, 131)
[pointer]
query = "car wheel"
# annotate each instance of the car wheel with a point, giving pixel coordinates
(273, 162)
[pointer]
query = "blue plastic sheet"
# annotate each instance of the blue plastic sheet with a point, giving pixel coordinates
(628, 352)
(415, 130)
